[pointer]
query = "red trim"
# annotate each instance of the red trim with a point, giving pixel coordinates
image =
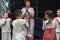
(46, 34)
(50, 28)
(57, 21)
(28, 30)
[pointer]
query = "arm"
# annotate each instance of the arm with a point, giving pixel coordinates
(23, 15)
(31, 13)
(13, 23)
(2, 22)
(23, 12)
(43, 27)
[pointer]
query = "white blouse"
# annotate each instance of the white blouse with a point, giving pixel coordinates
(19, 25)
(57, 21)
(30, 10)
(48, 26)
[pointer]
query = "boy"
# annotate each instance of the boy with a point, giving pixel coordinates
(5, 25)
(19, 27)
(57, 24)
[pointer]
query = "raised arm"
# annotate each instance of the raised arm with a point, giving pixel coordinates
(2, 22)
(23, 13)
(31, 12)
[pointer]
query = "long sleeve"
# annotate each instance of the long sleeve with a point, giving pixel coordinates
(43, 27)
(55, 24)
(2, 22)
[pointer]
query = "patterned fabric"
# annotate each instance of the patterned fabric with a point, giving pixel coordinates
(6, 27)
(6, 36)
(19, 29)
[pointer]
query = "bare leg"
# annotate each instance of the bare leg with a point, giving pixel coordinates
(30, 38)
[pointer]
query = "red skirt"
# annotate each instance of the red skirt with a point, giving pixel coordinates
(49, 34)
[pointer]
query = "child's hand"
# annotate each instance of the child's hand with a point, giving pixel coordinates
(5, 21)
(10, 19)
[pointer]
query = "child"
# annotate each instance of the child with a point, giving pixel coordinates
(57, 22)
(49, 26)
(19, 27)
(28, 13)
(5, 25)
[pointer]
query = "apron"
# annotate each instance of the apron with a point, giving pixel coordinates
(49, 34)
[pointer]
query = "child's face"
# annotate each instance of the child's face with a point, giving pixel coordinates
(46, 16)
(58, 12)
(5, 15)
(27, 4)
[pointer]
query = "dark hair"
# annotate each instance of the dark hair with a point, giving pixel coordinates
(4, 12)
(58, 9)
(17, 13)
(27, 1)
(50, 14)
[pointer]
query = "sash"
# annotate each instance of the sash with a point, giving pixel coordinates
(58, 21)
(28, 30)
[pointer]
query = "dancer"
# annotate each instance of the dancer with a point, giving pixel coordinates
(28, 13)
(49, 26)
(57, 22)
(5, 25)
(19, 27)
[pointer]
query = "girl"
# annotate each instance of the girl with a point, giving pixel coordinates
(5, 25)
(19, 27)
(28, 13)
(57, 22)
(49, 26)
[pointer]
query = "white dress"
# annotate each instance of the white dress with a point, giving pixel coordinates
(6, 31)
(19, 29)
(31, 27)
(57, 23)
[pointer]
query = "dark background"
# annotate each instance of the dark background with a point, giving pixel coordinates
(40, 6)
